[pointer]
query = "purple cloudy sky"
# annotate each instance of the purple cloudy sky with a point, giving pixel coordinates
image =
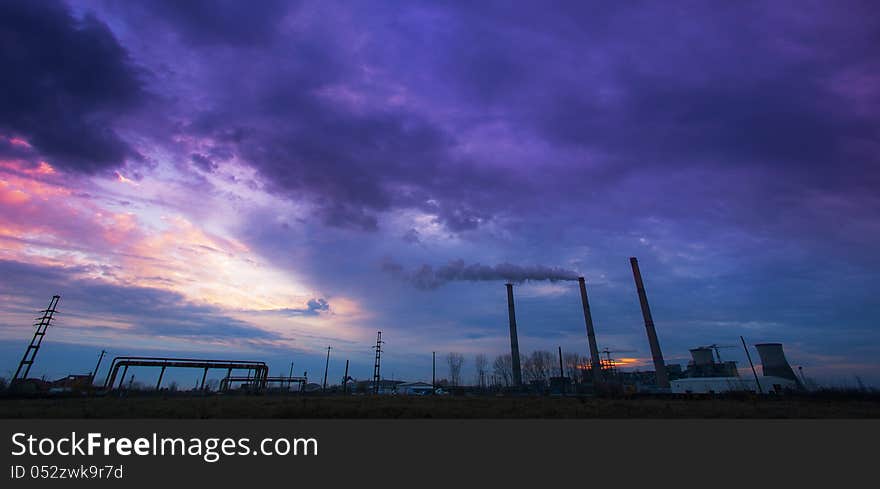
(261, 179)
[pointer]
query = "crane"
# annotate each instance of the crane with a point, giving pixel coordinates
(718, 347)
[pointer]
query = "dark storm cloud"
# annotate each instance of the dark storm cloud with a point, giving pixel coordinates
(353, 165)
(307, 100)
(728, 145)
(429, 277)
(222, 21)
(785, 119)
(350, 163)
(149, 311)
(649, 88)
(65, 82)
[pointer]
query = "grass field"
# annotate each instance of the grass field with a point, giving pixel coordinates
(434, 407)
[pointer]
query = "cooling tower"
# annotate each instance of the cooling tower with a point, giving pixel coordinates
(702, 357)
(773, 362)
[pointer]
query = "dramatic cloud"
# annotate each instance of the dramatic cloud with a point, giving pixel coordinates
(65, 82)
(220, 21)
(259, 160)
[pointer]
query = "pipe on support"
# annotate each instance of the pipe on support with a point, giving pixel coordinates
(95, 372)
(561, 372)
(659, 364)
(514, 341)
(122, 380)
(260, 369)
(754, 372)
(595, 359)
(159, 382)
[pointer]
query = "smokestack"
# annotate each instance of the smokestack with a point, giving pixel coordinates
(514, 342)
(595, 360)
(773, 362)
(659, 364)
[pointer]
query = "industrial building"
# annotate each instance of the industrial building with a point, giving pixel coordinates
(703, 364)
(415, 389)
(706, 376)
(705, 373)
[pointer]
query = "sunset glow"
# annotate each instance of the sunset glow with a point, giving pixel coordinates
(269, 181)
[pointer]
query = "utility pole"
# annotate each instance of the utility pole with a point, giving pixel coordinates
(326, 368)
(30, 354)
(290, 376)
(376, 376)
(95, 372)
(561, 372)
(754, 372)
(433, 371)
(345, 380)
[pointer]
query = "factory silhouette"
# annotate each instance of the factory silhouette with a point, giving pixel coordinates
(595, 376)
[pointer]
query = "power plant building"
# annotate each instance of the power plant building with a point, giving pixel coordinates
(706, 376)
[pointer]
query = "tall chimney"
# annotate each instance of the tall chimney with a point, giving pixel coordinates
(514, 342)
(659, 364)
(595, 360)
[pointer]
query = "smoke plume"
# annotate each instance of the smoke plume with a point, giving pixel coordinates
(427, 277)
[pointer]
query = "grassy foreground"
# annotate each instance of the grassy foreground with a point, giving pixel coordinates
(433, 407)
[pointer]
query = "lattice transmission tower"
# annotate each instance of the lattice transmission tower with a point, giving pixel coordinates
(42, 325)
(376, 376)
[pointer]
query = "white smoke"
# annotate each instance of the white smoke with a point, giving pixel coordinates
(428, 277)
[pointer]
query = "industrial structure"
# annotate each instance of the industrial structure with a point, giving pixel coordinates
(249, 383)
(598, 368)
(42, 324)
(705, 373)
(703, 364)
(257, 372)
(659, 364)
(595, 360)
(376, 366)
(514, 341)
(773, 362)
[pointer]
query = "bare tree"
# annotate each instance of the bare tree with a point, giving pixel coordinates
(538, 366)
(575, 367)
(503, 369)
(481, 362)
(455, 361)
